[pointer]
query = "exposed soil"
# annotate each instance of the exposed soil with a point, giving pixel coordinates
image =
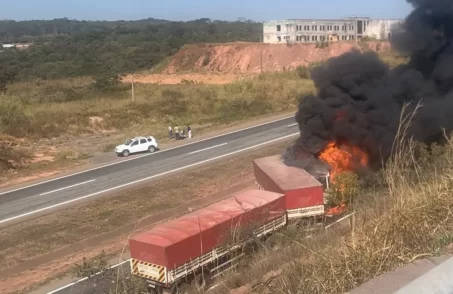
(56, 241)
(251, 57)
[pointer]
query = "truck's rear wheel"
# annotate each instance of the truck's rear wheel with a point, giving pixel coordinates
(157, 290)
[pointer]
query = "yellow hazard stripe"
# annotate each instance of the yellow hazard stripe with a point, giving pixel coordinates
(161, 269)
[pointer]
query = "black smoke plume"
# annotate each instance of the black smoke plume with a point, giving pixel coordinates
(359, 99)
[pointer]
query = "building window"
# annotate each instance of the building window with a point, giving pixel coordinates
(287, 37)
(314, 28)
(343, 28)
(337, 28)
(279, 28)
(329, 28)
(279, 38)
(314, 38)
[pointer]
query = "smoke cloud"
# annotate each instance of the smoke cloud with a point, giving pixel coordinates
(359, 99)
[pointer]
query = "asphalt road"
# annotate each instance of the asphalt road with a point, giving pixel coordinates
(101, 283)
(19, 204)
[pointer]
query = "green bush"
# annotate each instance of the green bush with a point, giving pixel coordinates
(13, 120)
(303, 72)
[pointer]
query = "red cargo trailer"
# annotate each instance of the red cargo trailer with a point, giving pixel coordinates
(304, 195)
(170, 252)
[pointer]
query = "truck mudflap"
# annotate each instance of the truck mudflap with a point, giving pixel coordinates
(149, 271)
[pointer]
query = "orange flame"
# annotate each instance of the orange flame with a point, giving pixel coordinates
(343, 157)
(336, 210)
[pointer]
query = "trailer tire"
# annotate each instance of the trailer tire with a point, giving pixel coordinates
(157, 290)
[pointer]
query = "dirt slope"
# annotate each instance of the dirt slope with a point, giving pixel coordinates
(246, 57)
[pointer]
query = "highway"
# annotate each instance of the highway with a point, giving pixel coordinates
(30, 201)
(100, 283)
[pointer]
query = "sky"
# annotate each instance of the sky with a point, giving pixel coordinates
(257, 10)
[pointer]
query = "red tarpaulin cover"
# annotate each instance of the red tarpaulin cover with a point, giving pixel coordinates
(176, 242)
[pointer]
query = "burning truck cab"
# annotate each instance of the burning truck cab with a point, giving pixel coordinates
(305, 192)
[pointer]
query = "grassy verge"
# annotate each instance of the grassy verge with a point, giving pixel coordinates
(54, 108)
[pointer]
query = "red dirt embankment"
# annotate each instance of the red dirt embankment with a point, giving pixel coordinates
(248, 57)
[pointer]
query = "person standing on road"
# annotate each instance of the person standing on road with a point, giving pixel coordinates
(176, 133)
(170, 132)
(189, 132)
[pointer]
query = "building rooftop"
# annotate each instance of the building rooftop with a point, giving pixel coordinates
(331, 19)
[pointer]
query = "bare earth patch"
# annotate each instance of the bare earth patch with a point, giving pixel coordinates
(31, 246)
(252, 58)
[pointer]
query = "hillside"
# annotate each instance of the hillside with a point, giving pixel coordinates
(70, 48)
(246, 57)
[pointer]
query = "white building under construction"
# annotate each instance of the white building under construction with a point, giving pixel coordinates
(327, 30)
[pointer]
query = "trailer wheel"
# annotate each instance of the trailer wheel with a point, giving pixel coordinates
(157, 290)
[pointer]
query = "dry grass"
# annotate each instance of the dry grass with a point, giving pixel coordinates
(404, 215)
(61, 107)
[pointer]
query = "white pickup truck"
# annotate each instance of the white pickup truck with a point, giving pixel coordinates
(137, 144)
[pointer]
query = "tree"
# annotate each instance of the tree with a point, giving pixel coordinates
(7, 75)
(344, 188)
(107, 80)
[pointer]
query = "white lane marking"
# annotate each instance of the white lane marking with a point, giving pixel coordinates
(204, 149)
(292, 125)
(146, 179)
(64, 188)
(138, 157)
(84, 279)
